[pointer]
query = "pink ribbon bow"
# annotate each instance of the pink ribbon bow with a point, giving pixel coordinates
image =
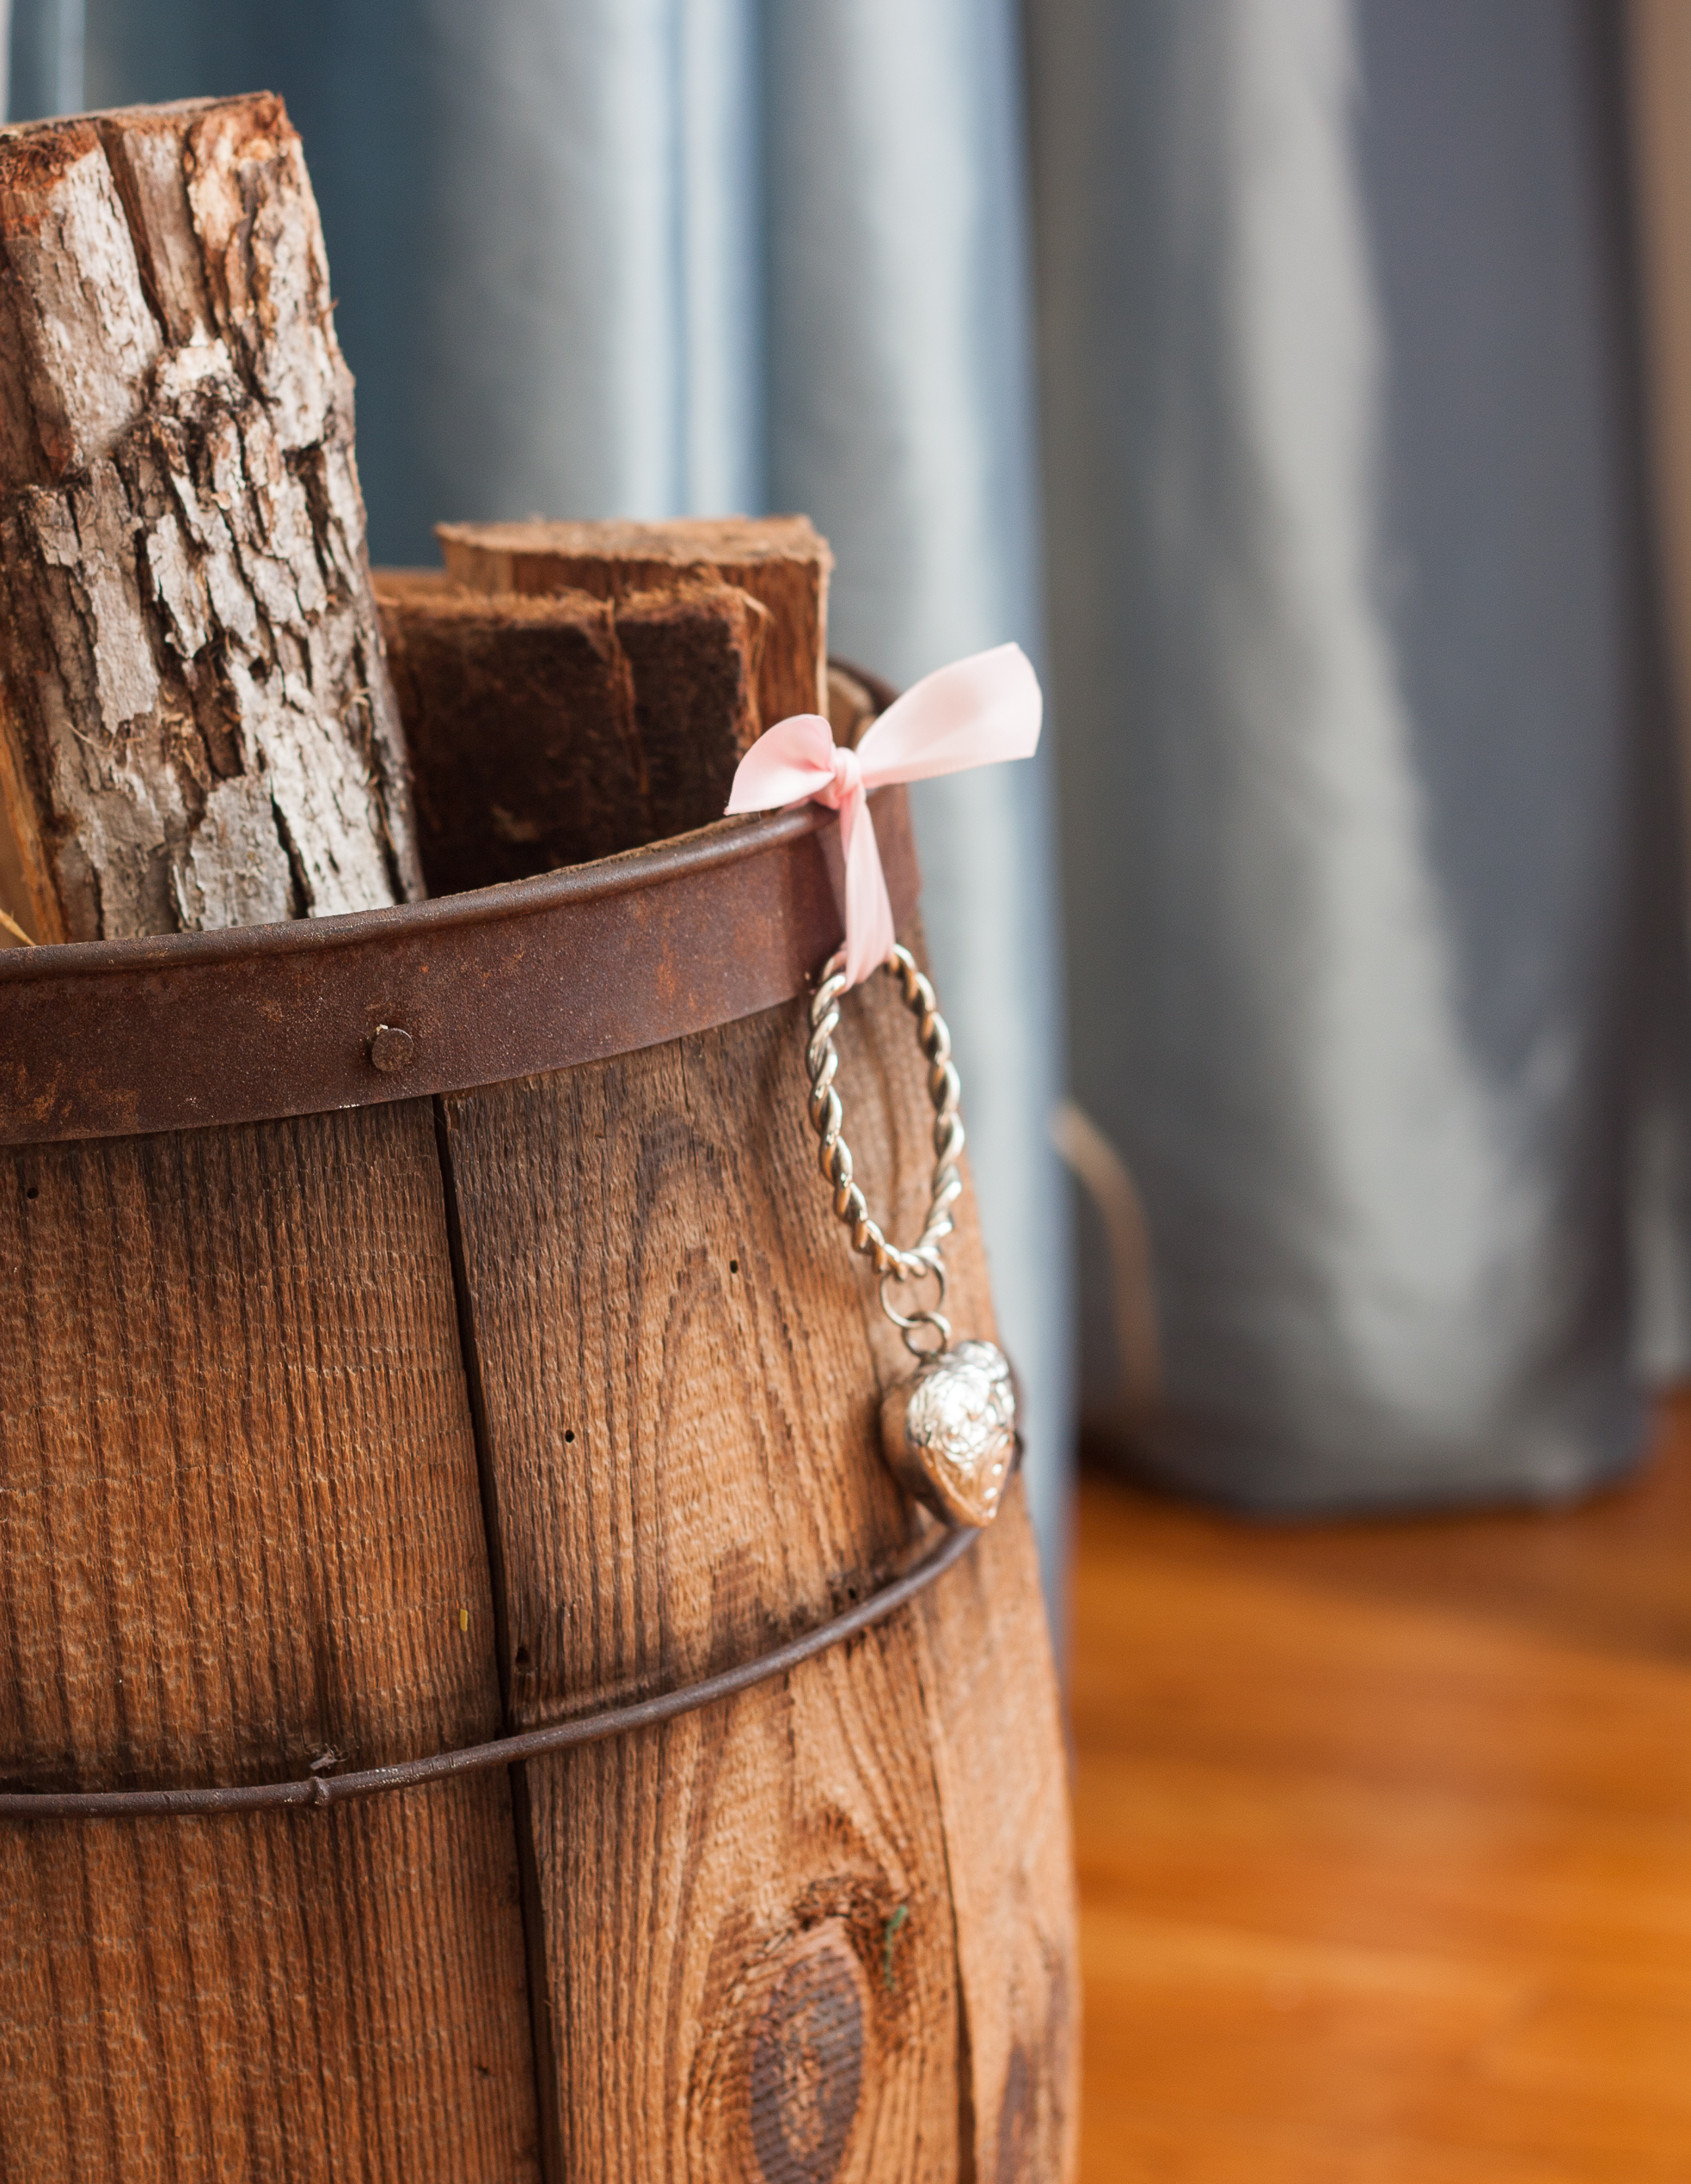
(971, 713)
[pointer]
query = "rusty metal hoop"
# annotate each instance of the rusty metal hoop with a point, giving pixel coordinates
(321, 1790)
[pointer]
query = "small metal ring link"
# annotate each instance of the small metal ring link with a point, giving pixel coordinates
(822, 1062)
(910, 1323)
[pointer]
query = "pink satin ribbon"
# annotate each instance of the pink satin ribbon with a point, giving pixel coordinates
(974, 713)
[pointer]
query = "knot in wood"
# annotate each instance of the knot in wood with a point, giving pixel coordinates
(807, 2068)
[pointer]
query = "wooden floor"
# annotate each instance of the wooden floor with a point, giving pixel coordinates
(1385, 1843)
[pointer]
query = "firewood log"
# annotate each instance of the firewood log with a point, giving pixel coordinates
(548, 730)
(781, 560)
(196, 725)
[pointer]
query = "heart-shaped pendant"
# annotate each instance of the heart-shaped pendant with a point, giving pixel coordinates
(949, 1431)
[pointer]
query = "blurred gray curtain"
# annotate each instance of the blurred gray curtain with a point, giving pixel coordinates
(644, 257)
(1369, 801)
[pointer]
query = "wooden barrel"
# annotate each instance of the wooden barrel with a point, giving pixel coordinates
(426, 1326)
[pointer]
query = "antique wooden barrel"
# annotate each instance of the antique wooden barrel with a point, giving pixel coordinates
(428, 1326)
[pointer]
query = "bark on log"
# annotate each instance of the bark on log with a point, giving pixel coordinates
(781, 560)
(546, 732)
(196, 725)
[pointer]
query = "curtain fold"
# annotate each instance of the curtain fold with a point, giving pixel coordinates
(1368, 813)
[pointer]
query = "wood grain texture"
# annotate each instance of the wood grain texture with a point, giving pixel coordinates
(1381, 1837)
(752, 1917)
(781, 560)
(196, 726)
(240, 1532)
(670, 1427)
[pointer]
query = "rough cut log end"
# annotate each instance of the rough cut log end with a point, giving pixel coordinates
(520, 717)
(782, 561)
(694, 652)
(196, 724)
(549, 731)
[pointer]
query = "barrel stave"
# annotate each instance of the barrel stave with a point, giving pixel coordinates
(678, 1391)
(240, 1532)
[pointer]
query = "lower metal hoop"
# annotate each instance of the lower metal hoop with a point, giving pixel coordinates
(528, 1744)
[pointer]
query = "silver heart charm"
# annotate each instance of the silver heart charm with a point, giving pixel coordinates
(949, 1429)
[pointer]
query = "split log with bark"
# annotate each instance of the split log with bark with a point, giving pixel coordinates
(196, 725)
